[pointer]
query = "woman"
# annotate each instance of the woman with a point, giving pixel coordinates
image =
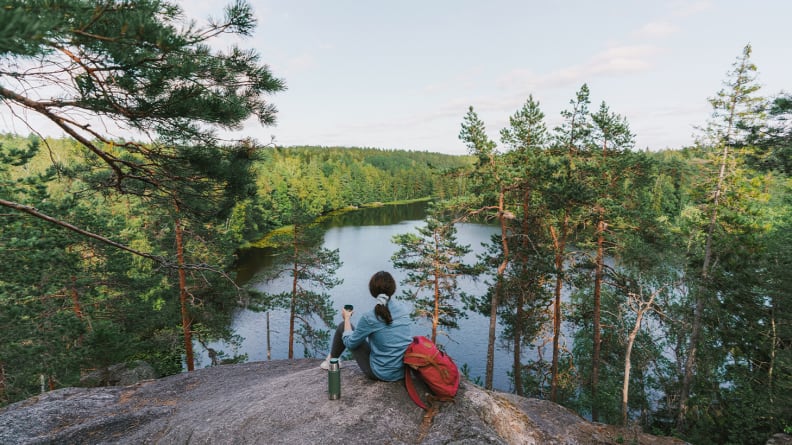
(381, 336)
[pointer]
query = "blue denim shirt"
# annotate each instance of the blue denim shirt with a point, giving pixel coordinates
(388, 342)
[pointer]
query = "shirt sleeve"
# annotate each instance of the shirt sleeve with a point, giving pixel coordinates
(353, 339)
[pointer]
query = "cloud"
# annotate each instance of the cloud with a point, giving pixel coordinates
(622, 60)
(614, 61)
(657, 29)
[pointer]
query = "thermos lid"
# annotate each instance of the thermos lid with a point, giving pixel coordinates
(334, 360)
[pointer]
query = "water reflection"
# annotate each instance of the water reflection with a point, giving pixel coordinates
(377, 216)
(253, 260)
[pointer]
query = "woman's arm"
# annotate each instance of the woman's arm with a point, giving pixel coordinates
(353, 338)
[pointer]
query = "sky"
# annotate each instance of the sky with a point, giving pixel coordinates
(402, 74)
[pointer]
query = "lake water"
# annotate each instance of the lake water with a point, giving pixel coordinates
(363, 239)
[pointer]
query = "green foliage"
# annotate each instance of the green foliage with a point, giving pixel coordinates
(661, 227)
(434, 262)
(87, 306)
(69, 305)
(474, 135)
(724, 231)
(40, 331)
(769, 143)
(332, 178)
(129, 66)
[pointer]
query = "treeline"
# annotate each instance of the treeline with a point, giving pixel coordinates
(676, 263)
(323, 179)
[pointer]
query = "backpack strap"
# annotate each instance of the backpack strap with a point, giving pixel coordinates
(426, 423)
(408, 382)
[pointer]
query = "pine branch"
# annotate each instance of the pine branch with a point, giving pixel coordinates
(33, 211)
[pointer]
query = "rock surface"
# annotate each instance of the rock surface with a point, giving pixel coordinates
(780, 439)
(286, 402)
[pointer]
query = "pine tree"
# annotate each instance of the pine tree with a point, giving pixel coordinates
(134, 66)
(733, 108)
(311, 271)
(434, 262)
(612, 137)
(566, 196)
(491, 186)
(523, 314)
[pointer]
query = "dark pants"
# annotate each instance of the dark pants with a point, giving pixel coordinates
(361, 353)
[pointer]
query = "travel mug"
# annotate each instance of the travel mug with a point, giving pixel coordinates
(334, 379)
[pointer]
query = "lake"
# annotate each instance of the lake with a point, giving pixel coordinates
(363, 238)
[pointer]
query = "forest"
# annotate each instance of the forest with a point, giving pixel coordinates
(118, 249)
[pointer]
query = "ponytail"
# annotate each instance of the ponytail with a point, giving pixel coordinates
(382, 286)
(383, 313)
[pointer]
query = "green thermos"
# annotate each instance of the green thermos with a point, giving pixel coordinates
(334, 379)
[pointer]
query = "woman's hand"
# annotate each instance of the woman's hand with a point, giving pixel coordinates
(347, 314)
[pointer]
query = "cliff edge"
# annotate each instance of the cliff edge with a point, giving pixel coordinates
(286, 402)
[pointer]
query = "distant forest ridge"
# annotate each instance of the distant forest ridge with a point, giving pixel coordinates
(323, 179)
(320, 179)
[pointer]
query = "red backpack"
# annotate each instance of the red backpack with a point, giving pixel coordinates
(433, 367)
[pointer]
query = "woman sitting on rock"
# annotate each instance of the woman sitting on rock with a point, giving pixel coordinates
(381, 336)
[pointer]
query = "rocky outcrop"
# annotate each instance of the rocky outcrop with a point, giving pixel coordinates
(286, 402)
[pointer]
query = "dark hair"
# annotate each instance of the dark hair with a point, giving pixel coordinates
(382, 283)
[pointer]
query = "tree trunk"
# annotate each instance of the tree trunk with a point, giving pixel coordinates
(690, 362)
(293, 305)
(497, 294)
(627, 366)
(436, 316)
(640, 311)
(773, 346)
(269, 345)
(3, 395)
(186, 322)
(520, 312)
(740, 90)
(559, 243)
(76, 299)
(595, 359)
(77, 309)
(597, 341)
